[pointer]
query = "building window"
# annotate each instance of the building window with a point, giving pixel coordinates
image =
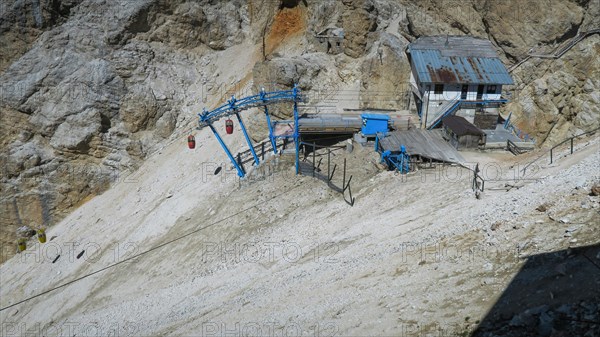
(491, 89)
(464, 91)
(480, 91)
(439, 89)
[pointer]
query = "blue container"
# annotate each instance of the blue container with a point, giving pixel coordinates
(374, 123)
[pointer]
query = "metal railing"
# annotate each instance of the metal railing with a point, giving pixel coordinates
(244, 157)
(559, 51)
(314, 170)
(551, 151)
(478, 183)
(571, 140)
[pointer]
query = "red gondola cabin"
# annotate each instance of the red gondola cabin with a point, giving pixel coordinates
(229, 126)
(191, 142)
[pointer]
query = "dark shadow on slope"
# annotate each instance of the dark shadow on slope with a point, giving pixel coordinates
(554, 294)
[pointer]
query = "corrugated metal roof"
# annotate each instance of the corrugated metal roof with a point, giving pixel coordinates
(457, 59)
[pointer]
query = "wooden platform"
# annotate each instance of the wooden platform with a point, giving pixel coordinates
(428, 144)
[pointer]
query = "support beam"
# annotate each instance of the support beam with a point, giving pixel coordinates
(296, 128)
(271, 137)
(240, 171)
(256, 161)
(297, 157)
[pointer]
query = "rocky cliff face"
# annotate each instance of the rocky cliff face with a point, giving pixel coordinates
(95, 88)
(557, 98)
(22, 22)
(89, 87)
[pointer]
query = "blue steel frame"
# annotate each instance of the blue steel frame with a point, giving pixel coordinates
(296, 128)
(400, 161)
(234, 106)
(239, 169)
(268, 117)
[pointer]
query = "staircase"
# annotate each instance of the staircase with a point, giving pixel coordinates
(514, 149)
(445, 110)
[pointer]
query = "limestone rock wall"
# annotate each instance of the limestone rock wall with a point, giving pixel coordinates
(96, 86)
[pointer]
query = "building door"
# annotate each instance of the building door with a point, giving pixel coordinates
(479, 91)
(464, 91)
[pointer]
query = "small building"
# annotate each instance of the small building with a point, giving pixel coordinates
(461, 134)
(459, 75)
(330, 40)
(374, 123)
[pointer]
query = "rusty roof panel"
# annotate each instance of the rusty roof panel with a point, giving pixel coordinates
(458, 62)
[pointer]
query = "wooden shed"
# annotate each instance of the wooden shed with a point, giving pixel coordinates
(462, 134)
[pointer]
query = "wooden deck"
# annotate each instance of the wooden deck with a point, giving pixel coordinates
(427, 144)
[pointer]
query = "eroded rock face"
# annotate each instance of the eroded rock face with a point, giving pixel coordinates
(282, 73)
(358, 20)
(285, 72)
(96, 88)
(22, 22)
(385, 74)
(190, 24)
(565, 99)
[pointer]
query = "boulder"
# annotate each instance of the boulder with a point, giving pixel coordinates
(76, 132)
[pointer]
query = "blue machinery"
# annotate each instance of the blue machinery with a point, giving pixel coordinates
(394, 160)
(400, 161)
(263, 99)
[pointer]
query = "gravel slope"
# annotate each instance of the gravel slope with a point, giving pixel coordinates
(416, 254)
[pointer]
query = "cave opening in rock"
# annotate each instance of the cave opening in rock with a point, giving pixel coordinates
(291, 3)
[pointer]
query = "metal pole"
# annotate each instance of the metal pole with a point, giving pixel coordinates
(507, 120)
(240, 162)
(344, 179)
(571, 145)
(550, 156)
(256, 161)
(328, 166)
(233, 161)
(273, 142)
(297, 158)
(314, 154)
(296, 136)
